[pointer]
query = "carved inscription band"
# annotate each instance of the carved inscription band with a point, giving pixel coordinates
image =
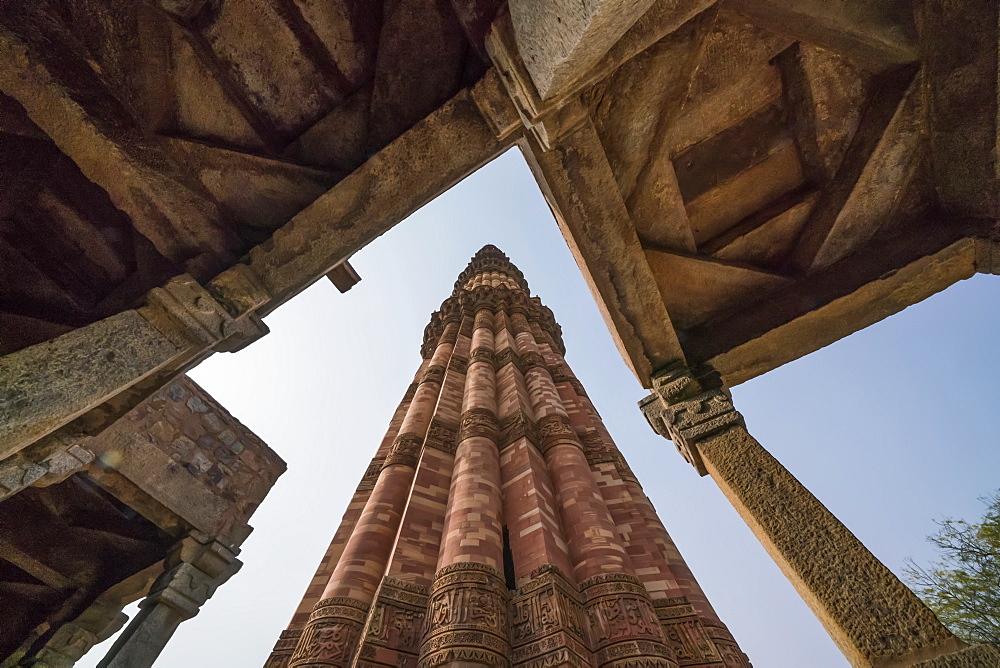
(623, 624)
(405, 450)
(467, 617)
(331, 634)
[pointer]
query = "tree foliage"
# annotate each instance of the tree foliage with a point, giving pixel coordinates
(963, 587)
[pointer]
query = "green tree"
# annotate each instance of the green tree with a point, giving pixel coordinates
(963, 587)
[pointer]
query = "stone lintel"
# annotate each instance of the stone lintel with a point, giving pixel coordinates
(881, 279)
(45, 386)
(877, 34)
(433, 155)
(581, 189)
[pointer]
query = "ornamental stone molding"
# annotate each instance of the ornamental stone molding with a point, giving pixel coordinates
(396, 621)
(556, 430)
(405, 450)
(679, 409)
(467, 617)
(517, 425)
(331, 634)
(478, 422)
(442, 435)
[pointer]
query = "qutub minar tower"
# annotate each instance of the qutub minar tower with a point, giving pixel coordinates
(498, 523)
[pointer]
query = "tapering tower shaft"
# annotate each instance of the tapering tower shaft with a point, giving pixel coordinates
(498, 523)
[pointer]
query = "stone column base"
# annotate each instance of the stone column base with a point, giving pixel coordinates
(979, 656)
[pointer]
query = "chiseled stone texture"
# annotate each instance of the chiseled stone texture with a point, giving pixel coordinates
(875, 620)
(499, 524)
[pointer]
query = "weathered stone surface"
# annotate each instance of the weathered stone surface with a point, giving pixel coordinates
(560, 41)
(878, 33)
(47, 385)
(581, 189)
(980, 656)
(871, 616)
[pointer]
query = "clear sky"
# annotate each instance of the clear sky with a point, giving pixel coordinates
(890, 428)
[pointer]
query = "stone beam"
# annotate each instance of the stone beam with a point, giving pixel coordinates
(433, 155)
(958, 53)
(883, 278)
(876, 34)
(45, 386)
(343, 276)
(581, 189)
(560, 40)
(662, 18)
(65, 97)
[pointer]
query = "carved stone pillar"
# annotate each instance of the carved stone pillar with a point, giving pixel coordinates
(467, 618)
(871, 615)
(194, 572)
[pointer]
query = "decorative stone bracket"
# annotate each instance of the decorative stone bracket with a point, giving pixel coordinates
(681, 410)
(186, 312)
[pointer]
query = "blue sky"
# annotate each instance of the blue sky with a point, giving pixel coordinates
(890, 428)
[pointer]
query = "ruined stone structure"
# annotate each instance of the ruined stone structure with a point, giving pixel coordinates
(742, 182)
(153, 508)
(498, 523)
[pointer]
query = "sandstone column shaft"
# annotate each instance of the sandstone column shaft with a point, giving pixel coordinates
(872, 616)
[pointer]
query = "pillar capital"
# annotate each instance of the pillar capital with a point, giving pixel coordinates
(681, 409)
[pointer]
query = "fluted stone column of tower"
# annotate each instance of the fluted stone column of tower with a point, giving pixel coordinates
(498, 523)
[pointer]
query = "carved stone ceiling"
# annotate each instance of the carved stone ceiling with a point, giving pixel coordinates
(764, 151)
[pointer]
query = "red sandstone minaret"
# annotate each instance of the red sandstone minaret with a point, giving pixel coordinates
(498, 524)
